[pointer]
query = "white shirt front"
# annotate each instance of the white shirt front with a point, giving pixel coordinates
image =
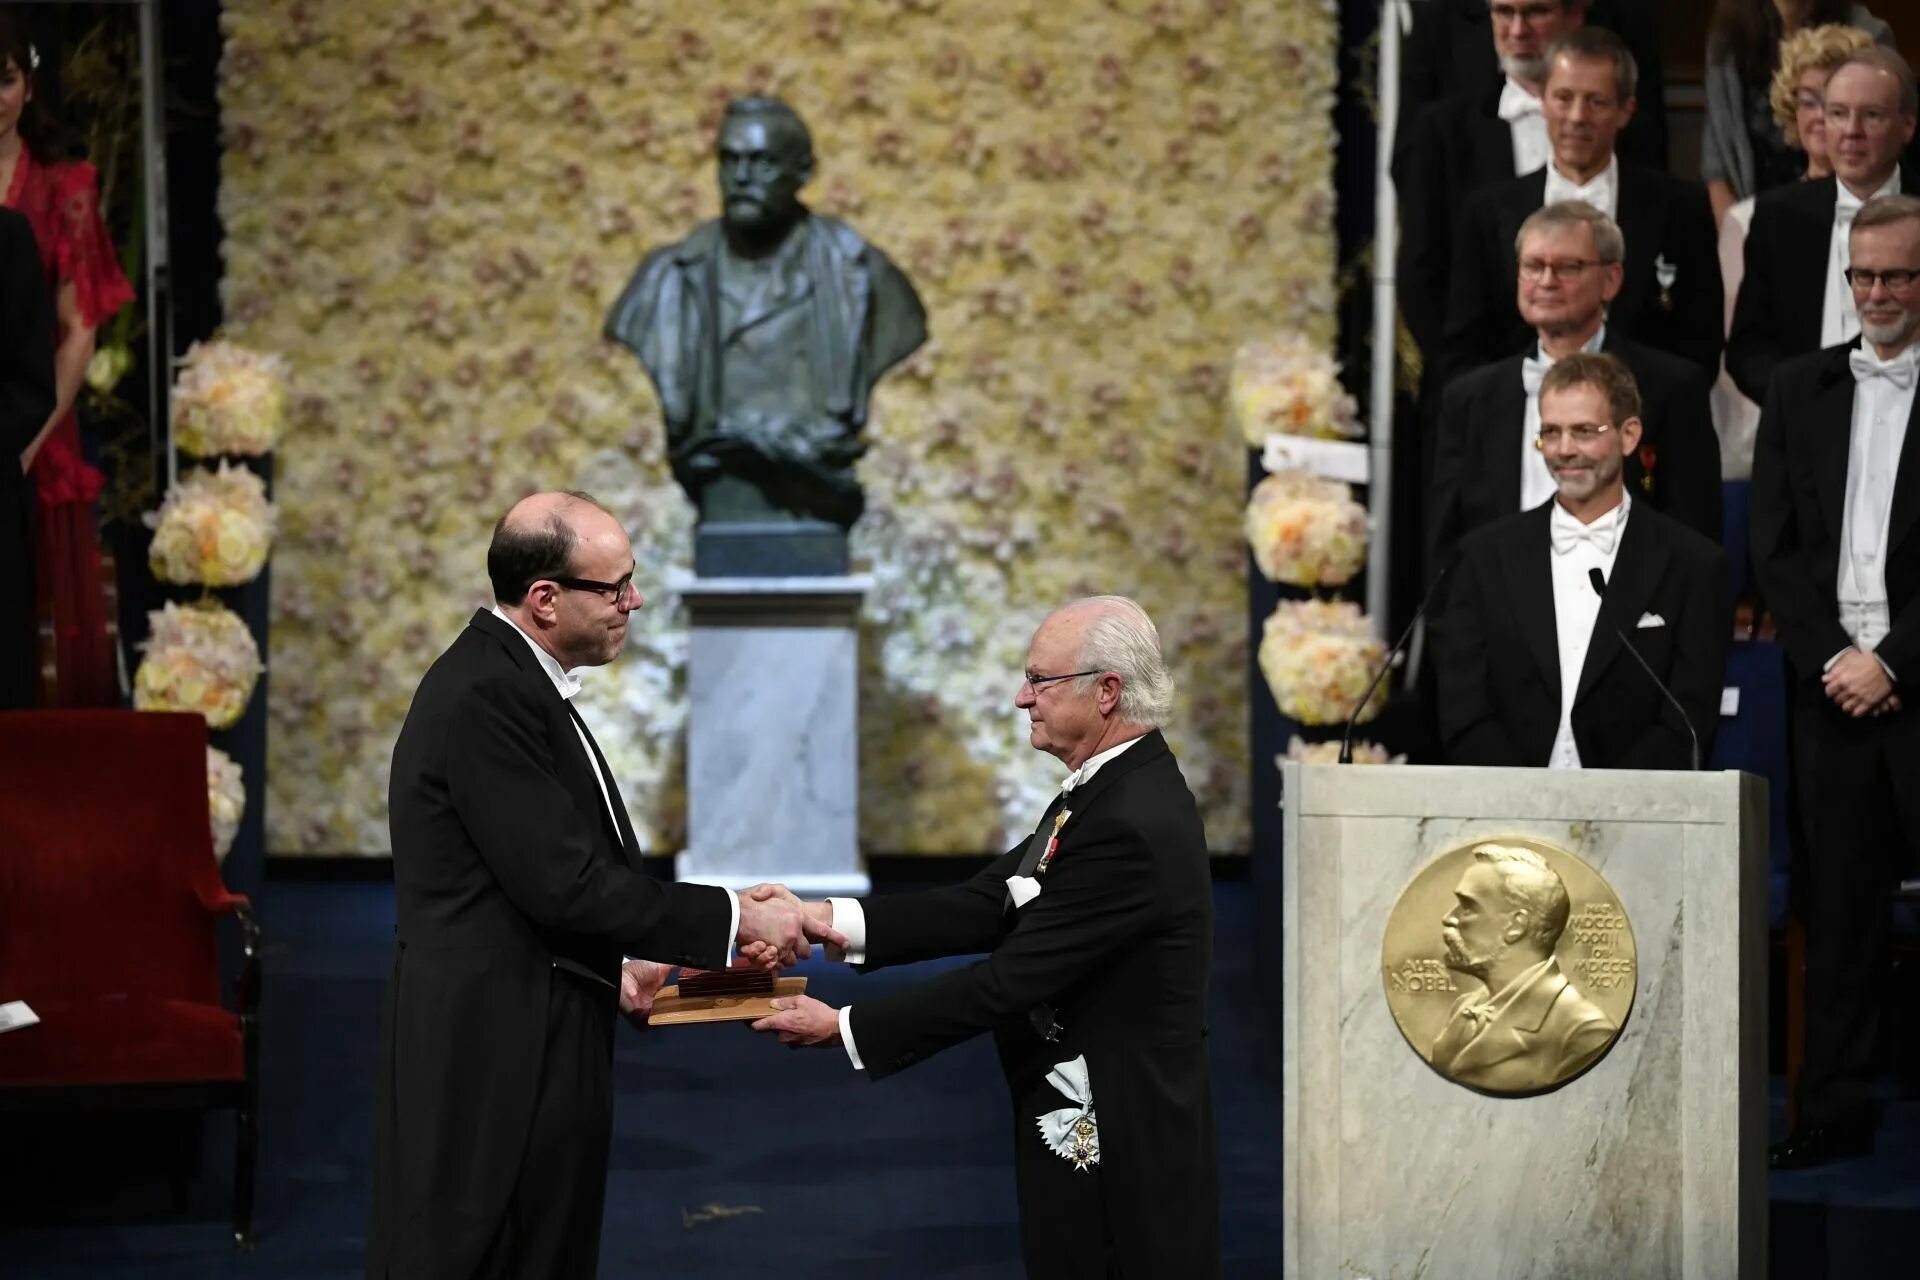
(1602, 191)
(850, 918)
(1881, 410)
(1536, 478)
(567, 684)
(1840, 320)
(1521, 110)
(1576, 607)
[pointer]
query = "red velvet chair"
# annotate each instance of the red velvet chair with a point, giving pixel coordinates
(109, 899)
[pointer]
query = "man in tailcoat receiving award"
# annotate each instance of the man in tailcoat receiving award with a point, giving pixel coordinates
(764, 333)
(1098, 934)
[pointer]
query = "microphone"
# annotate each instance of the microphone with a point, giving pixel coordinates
(1346, 737)
(1599, 583)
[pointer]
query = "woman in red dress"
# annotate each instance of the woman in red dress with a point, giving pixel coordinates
(61, 199)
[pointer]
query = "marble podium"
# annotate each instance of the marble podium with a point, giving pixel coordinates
(772, 742)
(1652, 1163)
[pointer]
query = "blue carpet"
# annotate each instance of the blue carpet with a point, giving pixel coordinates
(729, 1151)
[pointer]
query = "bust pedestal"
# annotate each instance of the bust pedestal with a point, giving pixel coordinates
(772, 741)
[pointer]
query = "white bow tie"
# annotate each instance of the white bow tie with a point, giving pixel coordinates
(1568, 533)
(1902, 371)
(1516, 103)
(1532, 370)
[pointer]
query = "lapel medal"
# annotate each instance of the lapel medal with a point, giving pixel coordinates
(1664, 274)
(1053, 842)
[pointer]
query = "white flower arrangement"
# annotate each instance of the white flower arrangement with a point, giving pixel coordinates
(198, 658)
(226, 800)
(1306, 531)
(215, 527)
(1289, 385)
(1318, 657)
(1328, 752)
(228, 399)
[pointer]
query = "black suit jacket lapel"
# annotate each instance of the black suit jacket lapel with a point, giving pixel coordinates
(1642, 207)
(1524, 559)
(1806, 246)
(1637, 570)
(1149, 747)
(1491, 149)
(1906, 484)
(618, 823)
(1831, 429)
(1501, 438)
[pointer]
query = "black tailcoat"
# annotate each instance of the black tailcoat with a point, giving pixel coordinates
(1498, 655)
(516, 893)
(1115, 953)
(1859, 807)
(1477, 461)
(1668, 227)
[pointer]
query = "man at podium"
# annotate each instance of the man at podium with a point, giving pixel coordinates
(1529, 649)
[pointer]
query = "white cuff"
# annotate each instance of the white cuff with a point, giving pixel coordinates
(1884, 667)
(850, 918)
(733, 922)
(846, 1037)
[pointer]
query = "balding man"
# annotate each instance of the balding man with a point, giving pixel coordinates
(518, 888)
(1099, 939)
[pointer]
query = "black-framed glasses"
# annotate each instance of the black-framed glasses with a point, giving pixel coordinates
(1897, 281)
(614, 591)
(1036, 683)
(1580, 433)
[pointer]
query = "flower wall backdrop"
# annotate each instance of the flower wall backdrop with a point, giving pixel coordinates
(430, 206)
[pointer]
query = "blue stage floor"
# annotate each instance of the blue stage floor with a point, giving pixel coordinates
(731, 1151)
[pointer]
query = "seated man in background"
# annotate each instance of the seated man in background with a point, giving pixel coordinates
(1487, 462)
(1529, 656)
(1669, 293)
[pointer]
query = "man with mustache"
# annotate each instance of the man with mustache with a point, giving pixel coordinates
(1794, 298)
(1836, 493)
(1487, 463)
(1669, 296)
(764, 333)
(1529, 655)
(1528, 1027)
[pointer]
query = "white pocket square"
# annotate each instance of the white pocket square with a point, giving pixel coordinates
(1649, 620)
(1022, 889)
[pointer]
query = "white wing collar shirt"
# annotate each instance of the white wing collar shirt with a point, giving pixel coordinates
(1536, 481)
(1576, 550)
(1521, 111)
(567, 684)
(851, 920)
(1840, 321)
(1602, 191)
(1882, 406)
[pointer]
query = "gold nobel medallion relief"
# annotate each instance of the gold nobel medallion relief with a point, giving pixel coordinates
(1509, 965)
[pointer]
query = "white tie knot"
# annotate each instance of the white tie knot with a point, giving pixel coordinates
(1532, 370)
(1568, 533)
(1902, 371)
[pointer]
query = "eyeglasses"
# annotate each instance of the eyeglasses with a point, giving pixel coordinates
(1534, 14)
(618, 589)
(1897, 281)
(1577, 433)
(1036, 683)
(1566, 268)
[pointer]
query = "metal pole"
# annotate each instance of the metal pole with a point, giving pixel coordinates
(1393, 13)
(159, 265)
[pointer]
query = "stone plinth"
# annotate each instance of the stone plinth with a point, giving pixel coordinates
(1651, 1164)
(772, 741)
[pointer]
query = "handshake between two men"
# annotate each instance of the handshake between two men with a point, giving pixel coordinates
(777, 930)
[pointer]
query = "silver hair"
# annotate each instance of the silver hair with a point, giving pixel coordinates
(1532, 886)
(1608, 242)
(1121, 638)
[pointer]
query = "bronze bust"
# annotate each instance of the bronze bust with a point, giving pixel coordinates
(764, 333)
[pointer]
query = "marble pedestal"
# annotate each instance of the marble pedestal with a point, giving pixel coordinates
(772, 742)
(1650, 1165)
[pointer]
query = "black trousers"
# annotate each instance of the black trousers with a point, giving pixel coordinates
(552, 1225)
(1063, 1228)
(1859, 794)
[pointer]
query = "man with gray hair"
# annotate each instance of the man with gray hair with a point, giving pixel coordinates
(1098, 934)
(1530, 1027)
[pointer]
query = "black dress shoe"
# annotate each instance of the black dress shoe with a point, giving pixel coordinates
(1820, 1144)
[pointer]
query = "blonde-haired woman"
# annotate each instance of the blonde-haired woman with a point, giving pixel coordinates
(1798, 97)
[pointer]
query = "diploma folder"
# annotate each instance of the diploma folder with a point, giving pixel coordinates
(731, 995)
